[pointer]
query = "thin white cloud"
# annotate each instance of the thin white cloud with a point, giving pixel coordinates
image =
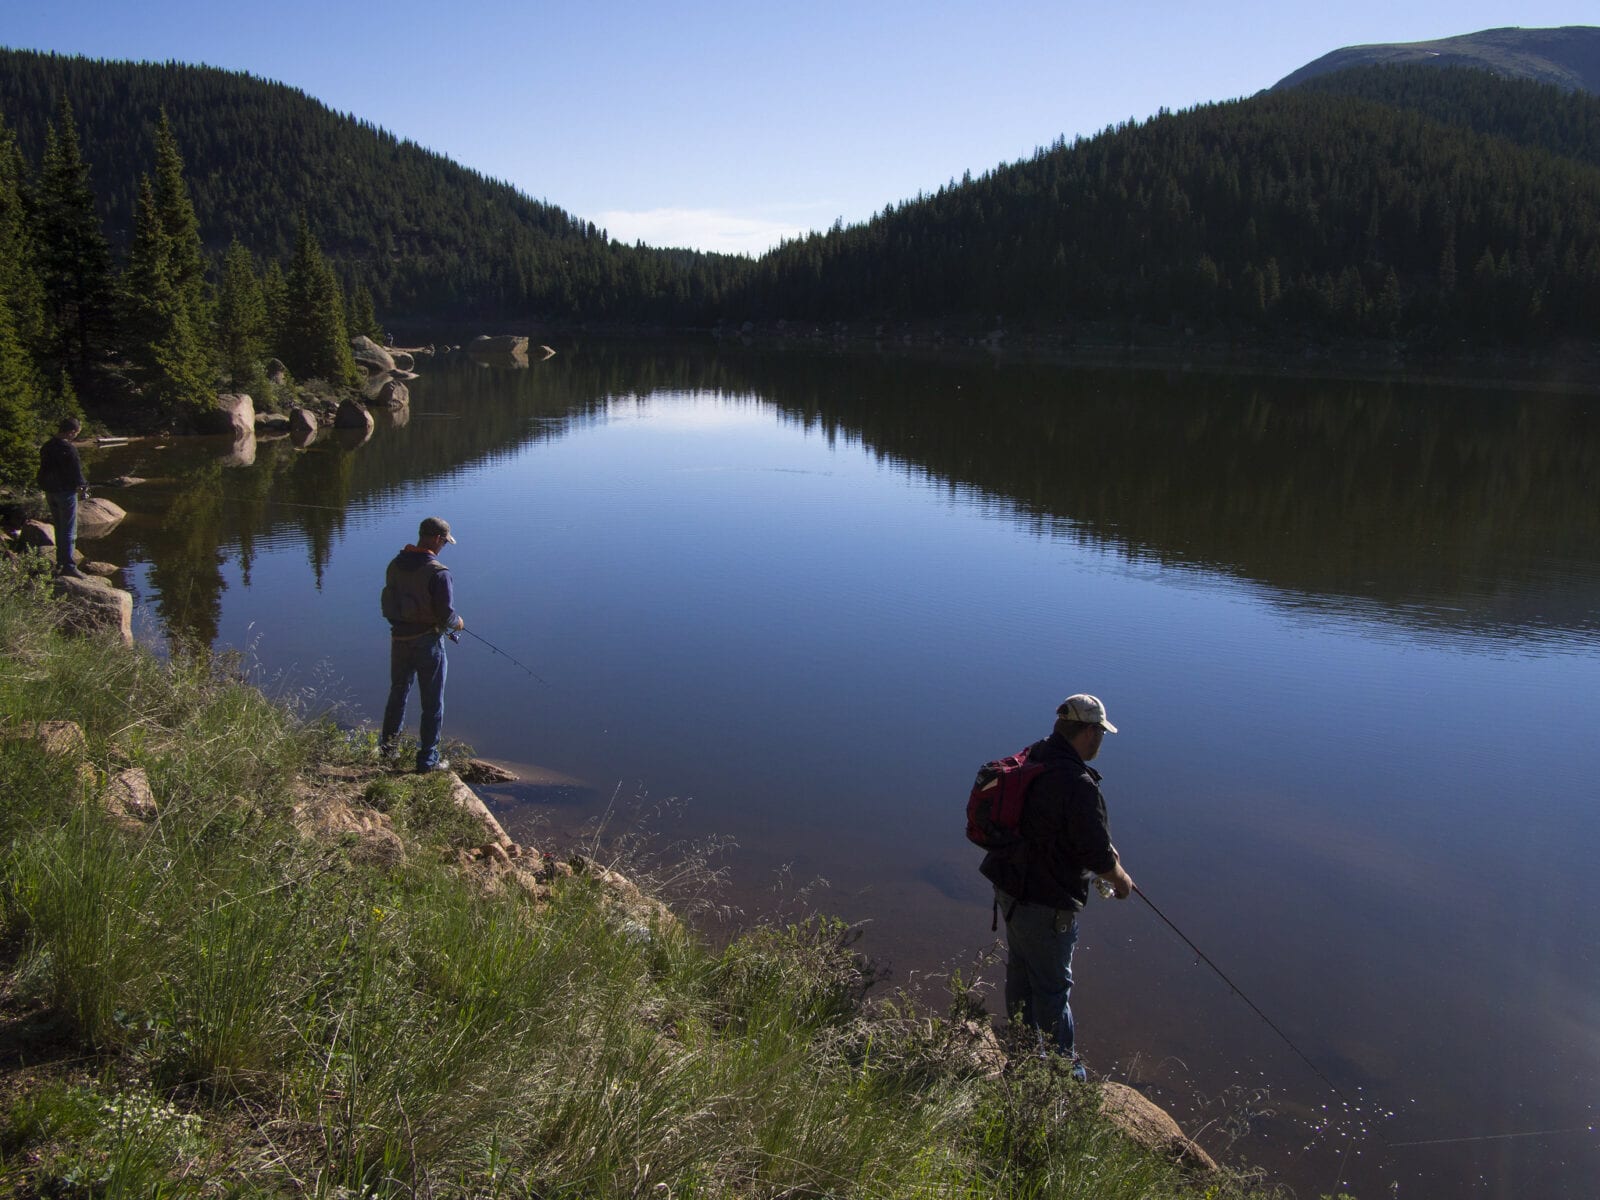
(701, 229)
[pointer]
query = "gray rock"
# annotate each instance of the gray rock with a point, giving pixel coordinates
(272, 423)
(38, 534)
(235, 413)
(353, 415)
(103, 569)
(371, 357)
(98, 517)
(128, 796)
(303, 421)
(94, 605)
(393, 394)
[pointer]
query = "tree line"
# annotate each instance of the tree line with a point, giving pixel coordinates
(1308, 211)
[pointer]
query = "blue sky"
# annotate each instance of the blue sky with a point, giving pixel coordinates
(727, 126)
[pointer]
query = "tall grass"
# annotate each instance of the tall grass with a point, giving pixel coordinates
(288, 1020)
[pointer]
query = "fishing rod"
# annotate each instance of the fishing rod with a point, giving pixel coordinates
(513, 661)
(1237, 991)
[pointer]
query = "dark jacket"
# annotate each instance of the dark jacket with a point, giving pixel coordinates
(1064, 832)
(417, 596)
(60, 469)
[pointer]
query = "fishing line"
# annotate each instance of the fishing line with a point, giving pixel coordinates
(1237, 991)
(1494, 1137)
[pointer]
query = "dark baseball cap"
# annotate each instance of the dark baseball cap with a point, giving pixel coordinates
(435, 527)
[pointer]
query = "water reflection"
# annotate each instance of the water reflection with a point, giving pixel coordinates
(1437, 508)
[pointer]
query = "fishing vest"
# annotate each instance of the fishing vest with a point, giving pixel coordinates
(406, 600)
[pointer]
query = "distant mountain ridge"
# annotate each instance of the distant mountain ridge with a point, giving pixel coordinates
(1567, 56)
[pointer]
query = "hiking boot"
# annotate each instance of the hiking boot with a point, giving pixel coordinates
(442, 765)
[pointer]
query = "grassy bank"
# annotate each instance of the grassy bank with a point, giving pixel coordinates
(207, 1002)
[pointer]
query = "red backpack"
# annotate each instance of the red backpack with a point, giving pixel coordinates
(994, 806)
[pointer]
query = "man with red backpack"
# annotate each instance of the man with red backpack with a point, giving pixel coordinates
(1043, 882)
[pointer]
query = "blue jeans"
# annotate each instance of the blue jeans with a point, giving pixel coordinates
(421, 659)
(64, 516)
(1039, 945)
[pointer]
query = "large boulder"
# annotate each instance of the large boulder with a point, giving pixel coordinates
(271, 423)
(303, 422)
(235, 414)
(353, 415)
(371, 357)
(403, 360)
(98, 517)
(93, 605)
(37, 535)
(1151, 1126)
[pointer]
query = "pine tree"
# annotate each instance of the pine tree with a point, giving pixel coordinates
(241, 315)
(363, 317)
(19, 274)
(275, 299)
(169, 356)
(20, 404)
(315, 341)
(186, 257)
(22, 398)
(74, 261)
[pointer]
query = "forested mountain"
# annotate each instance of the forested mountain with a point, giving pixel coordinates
(1535, 115)
(426, 236)
(1406, 202)
(1568, 57)
(1302, 210)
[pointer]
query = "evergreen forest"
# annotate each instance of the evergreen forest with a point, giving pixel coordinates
(164, 228)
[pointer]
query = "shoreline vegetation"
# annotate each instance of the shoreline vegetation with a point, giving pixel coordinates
(243, 959)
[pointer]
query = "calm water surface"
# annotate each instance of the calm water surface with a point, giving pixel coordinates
(1350, 633)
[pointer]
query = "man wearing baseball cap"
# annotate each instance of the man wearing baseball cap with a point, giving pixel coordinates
(419, 604)
(1067, 841)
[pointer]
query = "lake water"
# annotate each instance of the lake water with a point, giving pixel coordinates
(1350, 633)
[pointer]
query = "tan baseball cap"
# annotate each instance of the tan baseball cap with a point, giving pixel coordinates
(1086, 708)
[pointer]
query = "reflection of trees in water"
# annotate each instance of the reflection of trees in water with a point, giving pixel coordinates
(1463, 499)
(1473, 500)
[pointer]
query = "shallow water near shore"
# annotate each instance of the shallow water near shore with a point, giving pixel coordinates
(1350, 633)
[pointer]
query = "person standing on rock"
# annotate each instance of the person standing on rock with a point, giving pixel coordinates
(61, 479)
(1067, 840)
(420, 607)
